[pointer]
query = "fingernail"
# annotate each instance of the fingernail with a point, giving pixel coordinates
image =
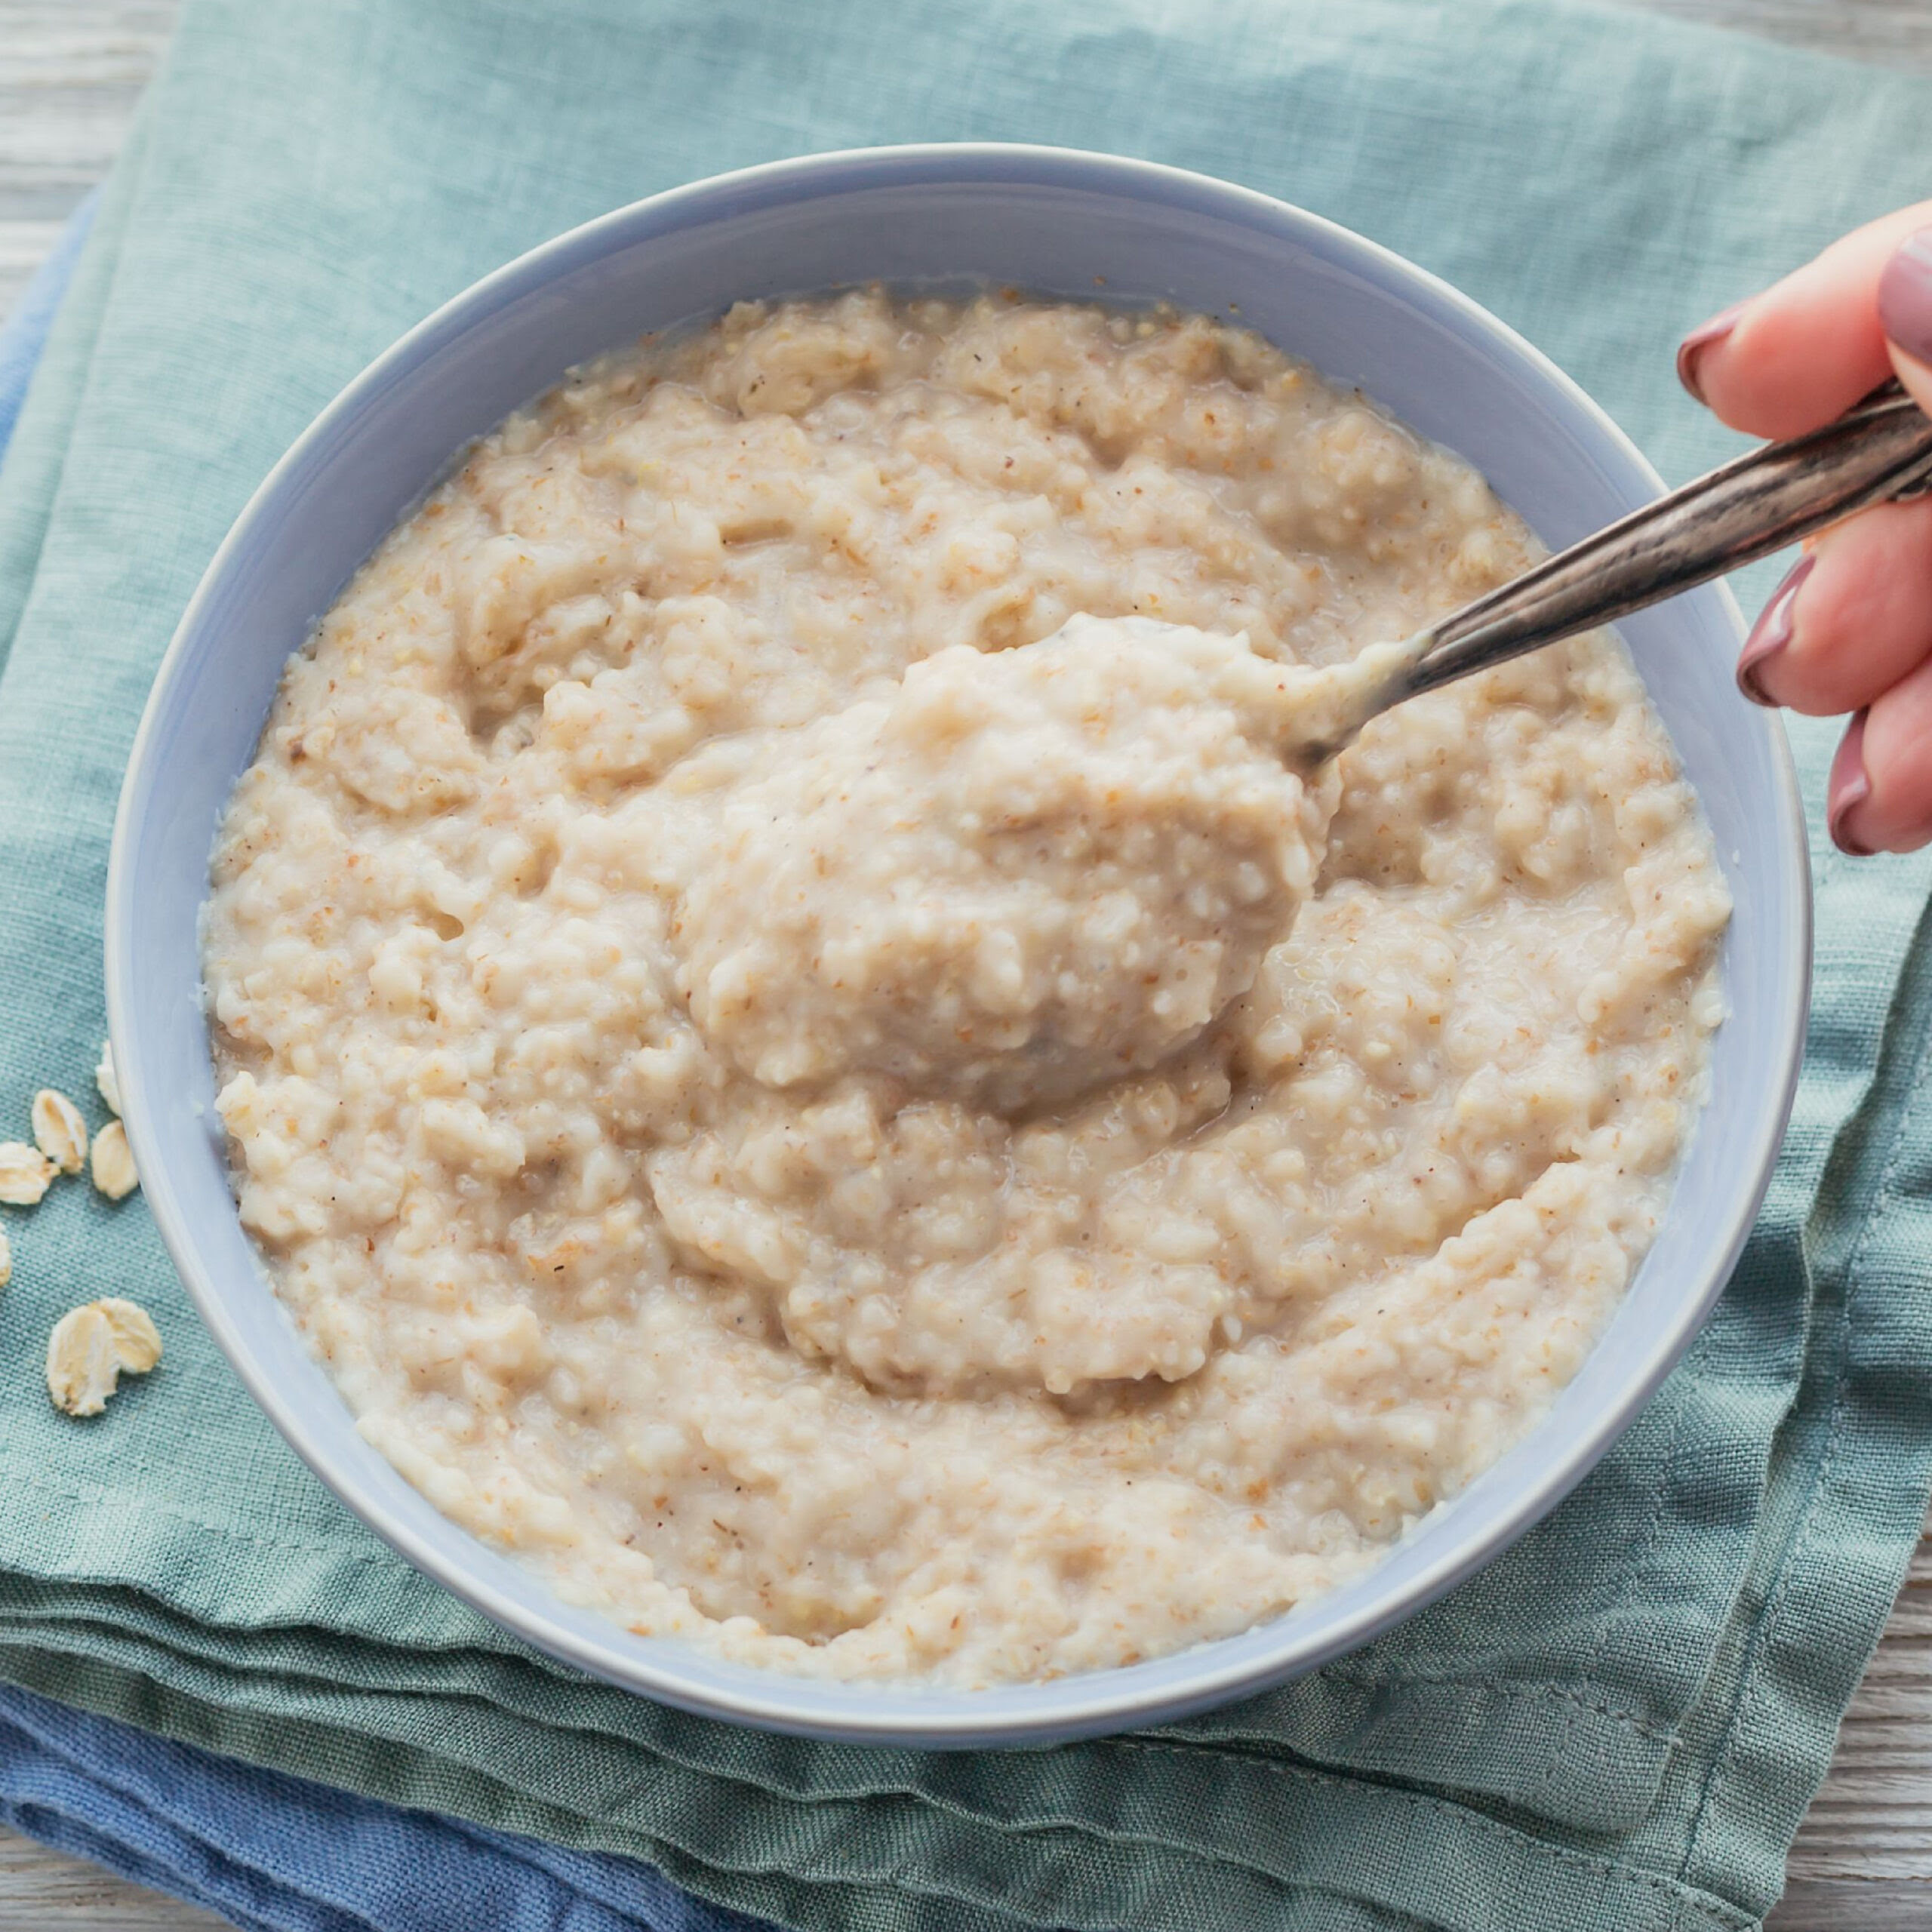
(1848, 790)
(1771, 632)
(1700, 339)
(1905, 296)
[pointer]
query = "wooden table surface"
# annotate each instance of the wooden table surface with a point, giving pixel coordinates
(70, 72)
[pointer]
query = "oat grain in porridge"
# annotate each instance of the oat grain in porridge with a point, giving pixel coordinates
(794, 1047)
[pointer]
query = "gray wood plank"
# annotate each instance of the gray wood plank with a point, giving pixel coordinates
(70, 73)
(1896, 33)
(41, 1891)
(1852, 1905)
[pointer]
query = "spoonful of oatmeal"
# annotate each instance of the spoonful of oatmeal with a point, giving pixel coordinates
(1022, 873)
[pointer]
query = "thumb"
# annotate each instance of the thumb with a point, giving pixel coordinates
(1904, 313)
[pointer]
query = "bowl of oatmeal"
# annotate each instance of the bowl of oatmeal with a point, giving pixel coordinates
(728, 1005)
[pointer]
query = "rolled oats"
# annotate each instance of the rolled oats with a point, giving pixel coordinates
(59, 1131)
(136, 1337)
(92, 1346)
(105, 1079)
(114, 1162)
(26, 1173)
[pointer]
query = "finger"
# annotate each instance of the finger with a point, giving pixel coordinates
(1854, 617)
(1880, 798)
(1915, 375)
(1905, 314)
(1809, 346)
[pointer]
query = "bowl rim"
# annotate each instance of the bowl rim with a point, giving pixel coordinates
(1082, 1704)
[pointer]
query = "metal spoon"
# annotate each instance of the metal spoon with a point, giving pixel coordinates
(1757, 503)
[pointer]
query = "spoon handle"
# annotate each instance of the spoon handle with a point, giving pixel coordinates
(1757, 503)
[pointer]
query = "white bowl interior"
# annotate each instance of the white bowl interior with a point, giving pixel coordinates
(1051, 221)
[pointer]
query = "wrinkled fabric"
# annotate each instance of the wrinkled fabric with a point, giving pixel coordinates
(280, 1854)
(1620, 1722)
(23, 329)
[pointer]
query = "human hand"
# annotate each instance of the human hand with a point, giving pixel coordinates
(1849, 628)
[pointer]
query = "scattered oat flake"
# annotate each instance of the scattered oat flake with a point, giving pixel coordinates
(26, 1173)
(83, 1364)
(6, 1260)
(59, 1131)
(104, 1078)
(114, 1162)
(135, 1335)
(91, 1347)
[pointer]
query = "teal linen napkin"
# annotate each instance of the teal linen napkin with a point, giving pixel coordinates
(1619, 1723)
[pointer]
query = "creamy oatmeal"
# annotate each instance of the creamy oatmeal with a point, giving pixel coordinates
(793, 1044)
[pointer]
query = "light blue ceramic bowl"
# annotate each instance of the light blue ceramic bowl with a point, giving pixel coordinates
(1044, 220)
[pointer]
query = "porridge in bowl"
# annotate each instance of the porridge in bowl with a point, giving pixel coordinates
(793, 1045)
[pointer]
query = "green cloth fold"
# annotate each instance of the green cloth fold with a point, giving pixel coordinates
(1619, 1723)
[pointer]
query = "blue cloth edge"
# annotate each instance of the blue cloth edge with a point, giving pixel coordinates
(23, 331)
(273, 1853)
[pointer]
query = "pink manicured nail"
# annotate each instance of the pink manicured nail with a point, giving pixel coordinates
(1771, 632)
(1850, 787)
(1700, 339)
(1905, 296)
